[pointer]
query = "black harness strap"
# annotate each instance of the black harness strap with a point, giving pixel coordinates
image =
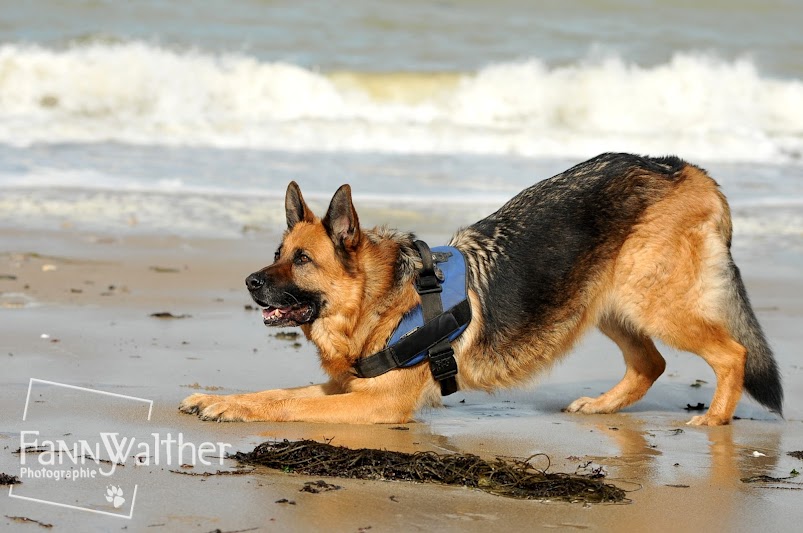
(433, 336)
(441, 356)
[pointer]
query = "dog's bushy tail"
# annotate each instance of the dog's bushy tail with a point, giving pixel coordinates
(762, 380)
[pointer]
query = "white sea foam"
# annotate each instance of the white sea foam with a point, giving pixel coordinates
(699, 106)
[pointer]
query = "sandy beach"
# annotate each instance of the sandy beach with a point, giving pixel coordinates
(145, 150)
(75, 309)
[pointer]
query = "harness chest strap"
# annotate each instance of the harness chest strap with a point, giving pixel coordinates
(405, 352)
(432, 340)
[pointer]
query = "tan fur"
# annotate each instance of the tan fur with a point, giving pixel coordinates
(668, 283)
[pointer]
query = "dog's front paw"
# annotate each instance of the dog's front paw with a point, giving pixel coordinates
(227, 409)
(231, 408)
(196, 403)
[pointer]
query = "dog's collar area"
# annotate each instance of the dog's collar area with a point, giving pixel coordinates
(426, 332)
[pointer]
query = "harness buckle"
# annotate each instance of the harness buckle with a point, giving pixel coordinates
(441, 361)
(428, 284)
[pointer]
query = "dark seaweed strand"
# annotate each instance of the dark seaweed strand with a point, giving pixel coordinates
(515, 479)
(6, 479)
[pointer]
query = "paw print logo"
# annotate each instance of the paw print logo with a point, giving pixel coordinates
(114, 495)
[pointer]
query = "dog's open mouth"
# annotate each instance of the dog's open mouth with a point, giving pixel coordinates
(292, 315)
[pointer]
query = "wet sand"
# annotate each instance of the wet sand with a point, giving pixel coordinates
(92, 297)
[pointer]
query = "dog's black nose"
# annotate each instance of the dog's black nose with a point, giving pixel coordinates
(254, 282)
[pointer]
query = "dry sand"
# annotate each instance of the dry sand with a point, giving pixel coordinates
(92, 296)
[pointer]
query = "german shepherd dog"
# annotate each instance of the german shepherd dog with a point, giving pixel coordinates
(637, 246)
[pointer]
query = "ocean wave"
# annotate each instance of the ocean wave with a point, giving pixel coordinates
(135, 92)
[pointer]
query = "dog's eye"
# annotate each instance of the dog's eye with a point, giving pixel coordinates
(276, 255)
(302, 259)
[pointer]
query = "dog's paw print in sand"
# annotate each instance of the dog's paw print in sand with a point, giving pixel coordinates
(114, 495)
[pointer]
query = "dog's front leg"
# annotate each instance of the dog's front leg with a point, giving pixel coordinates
(197, 403)
(391, 398)
(347, 408)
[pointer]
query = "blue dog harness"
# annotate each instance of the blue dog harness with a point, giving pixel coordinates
(426, 331)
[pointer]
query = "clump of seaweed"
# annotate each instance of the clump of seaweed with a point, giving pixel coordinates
(6, 479)
(511, 478)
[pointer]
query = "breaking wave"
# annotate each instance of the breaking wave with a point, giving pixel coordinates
(695, 105)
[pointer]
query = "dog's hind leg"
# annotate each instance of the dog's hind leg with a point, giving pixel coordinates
(727, 358)
(712, 341)
(644, 365)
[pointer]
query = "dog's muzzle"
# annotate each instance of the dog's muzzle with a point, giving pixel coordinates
(280, 306)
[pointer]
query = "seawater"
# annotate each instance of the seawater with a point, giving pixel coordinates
(191, 117)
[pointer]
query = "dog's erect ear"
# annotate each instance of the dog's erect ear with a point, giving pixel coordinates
(295, 206)
(341, 220)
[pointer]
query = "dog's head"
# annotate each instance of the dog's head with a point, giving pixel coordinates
(314, 265)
